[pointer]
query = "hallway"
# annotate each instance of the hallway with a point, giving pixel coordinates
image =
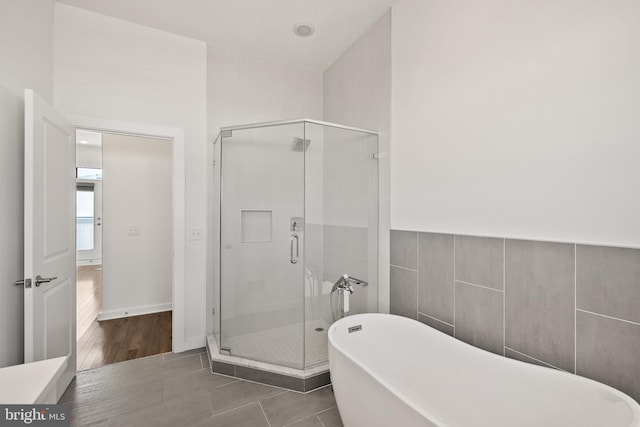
(110, 341)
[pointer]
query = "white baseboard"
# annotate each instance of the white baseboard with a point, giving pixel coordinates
(135, 311)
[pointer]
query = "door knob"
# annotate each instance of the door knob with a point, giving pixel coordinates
(40, 280)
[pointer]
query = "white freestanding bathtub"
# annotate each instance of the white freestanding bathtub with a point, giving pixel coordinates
(396, 371)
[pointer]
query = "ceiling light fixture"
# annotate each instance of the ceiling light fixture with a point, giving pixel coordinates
(303, 30)
(83, 142)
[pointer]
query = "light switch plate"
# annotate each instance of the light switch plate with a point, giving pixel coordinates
(133, 230)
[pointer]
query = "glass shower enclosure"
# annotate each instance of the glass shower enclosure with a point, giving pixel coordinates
(298, 208)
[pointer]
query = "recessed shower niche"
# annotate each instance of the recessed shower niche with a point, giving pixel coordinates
(298, 209)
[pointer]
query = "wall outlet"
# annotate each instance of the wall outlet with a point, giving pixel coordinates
(196, 234)
(133, 230)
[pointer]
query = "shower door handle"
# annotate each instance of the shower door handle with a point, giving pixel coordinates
(293, 259)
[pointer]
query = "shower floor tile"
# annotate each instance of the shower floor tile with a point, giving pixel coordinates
(283, 345)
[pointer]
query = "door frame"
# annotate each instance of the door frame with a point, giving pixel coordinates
(178, 188)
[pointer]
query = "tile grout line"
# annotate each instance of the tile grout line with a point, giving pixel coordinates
(233, 409)
(537, 360)
(328, 409)
(403, 268)
(434, 318)
(608, 317)
(264, 413)
(303, 418)
(210, 403)
(478, 286)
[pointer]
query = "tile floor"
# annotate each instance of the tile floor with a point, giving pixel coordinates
(180, 390)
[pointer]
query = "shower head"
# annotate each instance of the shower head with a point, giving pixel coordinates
(300, 144)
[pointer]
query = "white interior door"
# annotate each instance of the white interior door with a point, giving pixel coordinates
(49, 239)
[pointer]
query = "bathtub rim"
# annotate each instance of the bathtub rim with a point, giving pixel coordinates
(632, 403)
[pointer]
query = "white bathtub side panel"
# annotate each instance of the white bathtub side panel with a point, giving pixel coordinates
(364, 402)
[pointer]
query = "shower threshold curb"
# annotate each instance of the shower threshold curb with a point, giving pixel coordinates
(299, 380)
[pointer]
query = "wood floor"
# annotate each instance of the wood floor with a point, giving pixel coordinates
(110, 341)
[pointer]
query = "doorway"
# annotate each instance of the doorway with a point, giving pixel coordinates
(124, 247)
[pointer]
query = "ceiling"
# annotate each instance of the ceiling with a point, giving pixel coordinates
(263, 28)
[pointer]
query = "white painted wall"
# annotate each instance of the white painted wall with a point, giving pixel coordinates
(517, 119)
(116, 70)
(88, 156)
(244, 89)
(136, 274)
(88, 149)
(357, 92)
(26, 61)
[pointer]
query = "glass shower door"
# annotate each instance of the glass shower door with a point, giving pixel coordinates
(262, 244)
(341, 205)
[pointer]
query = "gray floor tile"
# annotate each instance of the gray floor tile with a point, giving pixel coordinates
(101, 423)
(102, 394)
(110, 406)
(197, 380)
(181, 366)
(312, 421)
(132, 395)
(186, 410)
(122, 374)
(247, 416)
(126, 386)
(331, 417)
(171, 356)
(115, 371)
(239, 393)
(290, 406)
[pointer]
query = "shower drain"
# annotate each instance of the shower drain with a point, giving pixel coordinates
(319, 329)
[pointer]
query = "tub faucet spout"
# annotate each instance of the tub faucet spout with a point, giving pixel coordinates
(345, 281)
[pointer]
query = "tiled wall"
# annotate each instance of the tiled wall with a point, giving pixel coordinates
(569, 306)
